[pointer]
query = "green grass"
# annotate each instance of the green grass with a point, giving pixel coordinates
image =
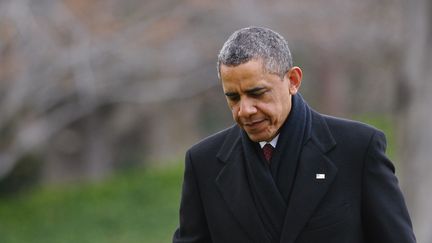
(137, 206)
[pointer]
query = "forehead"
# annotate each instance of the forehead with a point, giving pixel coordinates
(251, 70)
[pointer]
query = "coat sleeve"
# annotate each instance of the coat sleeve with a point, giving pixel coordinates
(193, 225)
(384, 214)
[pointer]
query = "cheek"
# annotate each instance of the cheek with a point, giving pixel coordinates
(274, 113)
(234, 111)
(269, 110)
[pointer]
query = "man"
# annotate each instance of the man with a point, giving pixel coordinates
(286, 173)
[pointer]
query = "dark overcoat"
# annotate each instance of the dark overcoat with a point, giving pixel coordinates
(345, 190)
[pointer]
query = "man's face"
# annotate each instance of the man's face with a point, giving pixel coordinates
(259, 101)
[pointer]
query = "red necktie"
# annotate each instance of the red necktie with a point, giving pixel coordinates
(268, 151)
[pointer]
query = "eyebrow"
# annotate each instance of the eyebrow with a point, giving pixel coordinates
(254, 90)
(248, 91)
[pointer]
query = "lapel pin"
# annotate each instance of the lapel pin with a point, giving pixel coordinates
(320, 176)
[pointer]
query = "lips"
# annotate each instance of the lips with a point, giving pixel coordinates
(253, 125)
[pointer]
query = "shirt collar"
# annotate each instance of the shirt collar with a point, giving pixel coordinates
(272, 142)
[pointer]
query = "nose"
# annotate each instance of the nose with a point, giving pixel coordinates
(246, 108)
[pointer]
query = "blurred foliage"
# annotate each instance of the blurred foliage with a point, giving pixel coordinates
(95, 86)
(135, 206)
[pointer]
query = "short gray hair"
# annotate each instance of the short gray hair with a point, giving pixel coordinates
(256, 43)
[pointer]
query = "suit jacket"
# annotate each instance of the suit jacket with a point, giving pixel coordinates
(358, 201)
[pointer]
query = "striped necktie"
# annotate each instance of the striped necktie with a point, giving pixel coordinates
(268, 151)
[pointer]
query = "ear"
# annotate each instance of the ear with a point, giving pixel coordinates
(294, 76)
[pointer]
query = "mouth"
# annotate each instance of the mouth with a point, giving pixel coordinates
(254, 124)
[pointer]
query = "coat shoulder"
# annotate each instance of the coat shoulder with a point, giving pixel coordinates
(212, 143)
(349, 128)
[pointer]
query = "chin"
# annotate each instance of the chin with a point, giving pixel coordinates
(258, 137)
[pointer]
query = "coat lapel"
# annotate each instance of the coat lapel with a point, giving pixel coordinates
(233, 185)
(308, 189)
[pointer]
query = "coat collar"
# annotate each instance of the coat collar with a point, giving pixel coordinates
(320, 136)
(307, 191)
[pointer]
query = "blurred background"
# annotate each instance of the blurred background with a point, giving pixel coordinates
(100, 99)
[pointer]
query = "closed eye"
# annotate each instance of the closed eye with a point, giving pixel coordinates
(232, 96)
(256, 92)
